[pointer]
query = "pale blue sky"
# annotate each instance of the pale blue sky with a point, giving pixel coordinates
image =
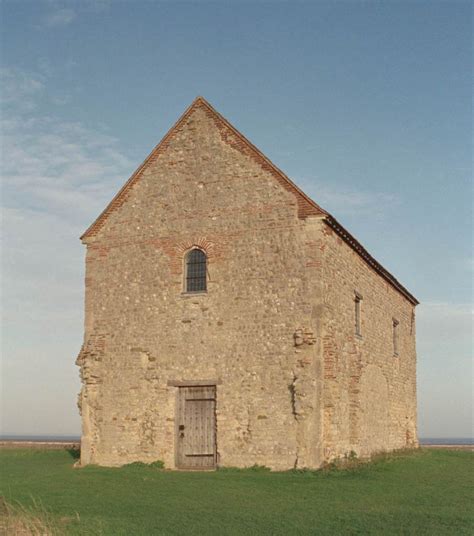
(365, 105)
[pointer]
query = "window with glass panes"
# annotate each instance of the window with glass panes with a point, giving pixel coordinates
(196, 277)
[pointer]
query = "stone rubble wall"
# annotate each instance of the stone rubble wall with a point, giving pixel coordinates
(142, 331)
(369, 400)
(275, 330)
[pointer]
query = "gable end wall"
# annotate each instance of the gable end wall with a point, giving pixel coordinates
(143, 334)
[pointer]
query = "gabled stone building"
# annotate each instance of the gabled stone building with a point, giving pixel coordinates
(231, 321)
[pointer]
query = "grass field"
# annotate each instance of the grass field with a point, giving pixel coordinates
(421, 492)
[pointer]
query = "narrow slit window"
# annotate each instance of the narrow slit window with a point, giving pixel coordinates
(395, 336)
(196, 271)
(357, 319)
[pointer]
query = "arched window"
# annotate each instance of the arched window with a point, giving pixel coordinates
(196, 271)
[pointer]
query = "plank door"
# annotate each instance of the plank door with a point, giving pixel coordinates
(196, 427)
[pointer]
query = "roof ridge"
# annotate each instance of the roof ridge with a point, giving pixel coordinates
(311, 206)
(262, 156)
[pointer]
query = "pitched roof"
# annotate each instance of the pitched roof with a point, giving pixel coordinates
(306, 206)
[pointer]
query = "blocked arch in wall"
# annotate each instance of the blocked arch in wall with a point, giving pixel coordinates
(374, 419)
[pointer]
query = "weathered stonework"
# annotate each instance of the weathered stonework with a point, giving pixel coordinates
(275, 330)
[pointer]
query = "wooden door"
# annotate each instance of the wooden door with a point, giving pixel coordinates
(196, 427)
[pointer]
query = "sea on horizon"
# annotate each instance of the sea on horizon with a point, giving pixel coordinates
(75, 438)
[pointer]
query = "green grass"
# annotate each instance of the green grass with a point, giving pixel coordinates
(421, 492)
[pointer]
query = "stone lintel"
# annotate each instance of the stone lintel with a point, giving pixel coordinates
(192, 383)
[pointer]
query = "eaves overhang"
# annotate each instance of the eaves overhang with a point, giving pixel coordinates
(359, 248)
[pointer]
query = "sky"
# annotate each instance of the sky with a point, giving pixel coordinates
(365, 105)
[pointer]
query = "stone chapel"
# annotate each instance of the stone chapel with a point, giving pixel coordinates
(232, 321)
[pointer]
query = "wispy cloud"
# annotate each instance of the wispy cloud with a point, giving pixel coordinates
(445, 366)
(20, 92)
(350, 202)
(445, 309)
(60, 17)
(356, 202)
(64, 12)
(444, 323)
(51, 161)
(56, 177)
